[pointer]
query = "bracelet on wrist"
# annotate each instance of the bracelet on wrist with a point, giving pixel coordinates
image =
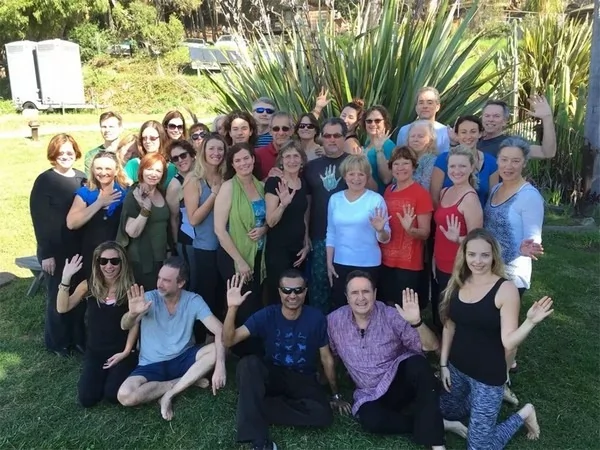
(443, 365)
(418, 324)
(337, 396)
(144, 212)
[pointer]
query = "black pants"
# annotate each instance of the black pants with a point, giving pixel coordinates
(96, 383)
(393, 281)
(442, 282)
(271, 395)
(338, 292)
(414, 385)
(277, 260)
(252, 345)
(209, 286)
(62, 331)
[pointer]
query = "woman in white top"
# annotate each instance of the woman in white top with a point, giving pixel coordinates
(357, 222)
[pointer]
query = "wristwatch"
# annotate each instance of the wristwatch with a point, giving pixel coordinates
(336, 397)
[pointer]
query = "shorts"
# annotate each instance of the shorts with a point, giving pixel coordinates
(170, 369)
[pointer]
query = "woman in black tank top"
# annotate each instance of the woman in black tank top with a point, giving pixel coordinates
(480, 313)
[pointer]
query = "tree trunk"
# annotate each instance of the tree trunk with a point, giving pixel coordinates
(591, 154)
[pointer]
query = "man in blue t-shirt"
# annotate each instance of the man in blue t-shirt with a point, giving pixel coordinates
(282, 388)
(170, 361)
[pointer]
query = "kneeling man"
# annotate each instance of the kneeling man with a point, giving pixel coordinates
(382, 349)
(169, 359)
(282, 388)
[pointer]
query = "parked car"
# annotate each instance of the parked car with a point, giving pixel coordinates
(194, 42)
(124, 48)
(230, 41)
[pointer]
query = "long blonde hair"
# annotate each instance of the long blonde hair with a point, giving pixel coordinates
(461, 271)
(120, 176)
(97, 284)
(461, 150)
(199, 171)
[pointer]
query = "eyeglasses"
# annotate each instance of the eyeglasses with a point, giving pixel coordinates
(172, 127)
(200, 135)
(181, 156)
(264, 110)
(284, 129)
(113, 261)
(308, 126)
(289, 290)
(149, 138)
(377, 121)
(332, 136)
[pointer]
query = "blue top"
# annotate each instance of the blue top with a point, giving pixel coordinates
(293, 344)
(519, 217)
(483, 176)
(264, 139)
(441, 131)
(164, 336)
(260, 215)
(90, 196)
(205, 237)
(388, 148)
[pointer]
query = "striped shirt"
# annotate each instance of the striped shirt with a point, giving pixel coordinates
(264, 139)
(372, 357)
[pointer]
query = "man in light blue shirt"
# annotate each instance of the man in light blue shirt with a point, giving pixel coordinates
(170, 361)
(427, 106)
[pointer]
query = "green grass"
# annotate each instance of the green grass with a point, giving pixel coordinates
(38, 409)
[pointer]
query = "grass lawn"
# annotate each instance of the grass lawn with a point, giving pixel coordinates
(38, 409)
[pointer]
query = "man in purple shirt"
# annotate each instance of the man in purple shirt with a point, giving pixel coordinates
(382, 349)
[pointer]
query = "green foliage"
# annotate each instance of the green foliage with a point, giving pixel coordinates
(384, 65)
(91, 39)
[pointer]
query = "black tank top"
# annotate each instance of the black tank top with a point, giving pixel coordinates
(477, 349)
(104, 333)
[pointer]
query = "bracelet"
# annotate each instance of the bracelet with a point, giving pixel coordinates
(145, 212)
(418, 324)
(336, 397)
(64, 287)
(443, 366)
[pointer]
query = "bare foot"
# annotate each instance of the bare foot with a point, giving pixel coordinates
(456, 427)
(531, 423)
(166, 407)
(202, 383)
(509, 396)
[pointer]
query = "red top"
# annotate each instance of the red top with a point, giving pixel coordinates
(404, 251)
(265, 159)
(444, 251)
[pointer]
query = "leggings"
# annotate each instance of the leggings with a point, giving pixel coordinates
(318, 288)
(469, 397)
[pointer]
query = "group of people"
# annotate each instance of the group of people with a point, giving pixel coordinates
(294, 243)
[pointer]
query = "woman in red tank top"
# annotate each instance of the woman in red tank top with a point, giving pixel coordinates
(458, 212)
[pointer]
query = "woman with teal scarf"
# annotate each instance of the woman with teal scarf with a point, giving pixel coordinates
(240, 225)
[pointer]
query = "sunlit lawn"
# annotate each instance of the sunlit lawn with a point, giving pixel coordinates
(558, 364)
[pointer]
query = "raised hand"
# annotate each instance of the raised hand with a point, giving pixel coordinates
(284, 194)
(452, 136)
(379, 219)
(531, 249)
(71, 268)
(540, 310)
(540, 107)
(106, 198)
(141, 196)
(137, 302)
(407, 217)
(409, 310)
(234, 291)
(379, 139)
(452, 231)
(322, 100)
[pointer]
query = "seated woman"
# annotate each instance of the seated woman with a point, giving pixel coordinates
(144, 222)
(110, 354)
(457, 213)
(352, 114)
(480, 312)
(96, 209)
(240, 225)
(357, 222)
(286, 200)
(378, 147)
(468, 130)
(152, 139)
(307, 129)
(409, 206)
(183, 155)
(423, 141)
(240, 128)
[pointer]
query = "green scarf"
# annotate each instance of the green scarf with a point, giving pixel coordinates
(241, 221)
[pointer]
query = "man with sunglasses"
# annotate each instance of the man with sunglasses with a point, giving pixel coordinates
(282, 387)
(111, 126)
(281, 128)
(263, 110)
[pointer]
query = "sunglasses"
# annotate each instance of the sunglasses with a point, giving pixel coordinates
(377, 121)
(113, 261)
(150, 138)
(181, 156)
(284, 129)
(172, 127)
(308, 126)
(264, 110)
(200, 135)
(334, 136)
(289, 290)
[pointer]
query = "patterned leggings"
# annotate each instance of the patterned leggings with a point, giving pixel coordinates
(482, 402)
(318, 287)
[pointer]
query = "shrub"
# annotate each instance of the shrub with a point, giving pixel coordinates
(91, 39)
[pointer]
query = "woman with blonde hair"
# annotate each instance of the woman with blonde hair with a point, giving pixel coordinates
(110, 354)
(480, 313)
(422, 140)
